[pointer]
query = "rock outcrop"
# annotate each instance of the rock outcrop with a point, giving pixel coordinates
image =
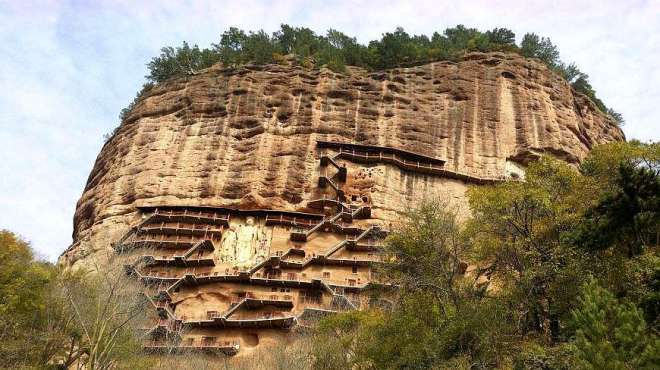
(254, 199)
(246, 137)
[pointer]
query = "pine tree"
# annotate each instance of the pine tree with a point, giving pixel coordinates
(610, 334)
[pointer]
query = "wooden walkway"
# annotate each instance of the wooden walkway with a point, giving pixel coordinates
(406, 160)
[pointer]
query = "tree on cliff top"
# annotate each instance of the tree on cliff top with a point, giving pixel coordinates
(336, 50)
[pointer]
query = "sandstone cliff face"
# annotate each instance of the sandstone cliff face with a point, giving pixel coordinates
(246, 137)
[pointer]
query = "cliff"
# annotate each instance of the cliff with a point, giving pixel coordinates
(246, 137)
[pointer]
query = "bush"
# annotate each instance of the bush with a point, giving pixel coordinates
(534, 356)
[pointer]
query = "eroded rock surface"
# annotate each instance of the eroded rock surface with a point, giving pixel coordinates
(247, 137)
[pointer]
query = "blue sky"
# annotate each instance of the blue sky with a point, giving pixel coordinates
(68, 67)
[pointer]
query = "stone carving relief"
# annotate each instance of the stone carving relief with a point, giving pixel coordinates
(369, 172)
(245, 243)
(361, 185)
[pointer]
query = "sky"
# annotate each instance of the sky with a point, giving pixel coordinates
(68, 67)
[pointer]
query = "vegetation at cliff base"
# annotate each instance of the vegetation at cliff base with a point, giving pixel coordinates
(54, 319)
(336, 50)
(560, 271)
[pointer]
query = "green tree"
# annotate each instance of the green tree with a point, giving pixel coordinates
(393, 49)
(35, 330)
(479, 42)
(299, 41)
(534, 46)
(24, 284)
(286, 39)
(336, 50)
(440, 316)
(258, 48)
(354, 54)
(604, 160)
(501, 36)
(22, 279)
(180, 61)
(570, 72)
(518, 230)
(627, 216)
(610, 334)
(616, 116)
(620, 227)
(230, 47)
(641, 284)
(54, 319)
(457, 38)
(428, 251)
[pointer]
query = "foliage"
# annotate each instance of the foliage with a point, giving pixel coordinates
(24, 306)
(182, 60)
(55, 319)
(105, 305)
(518, 229)
(616, 116)
(236, 47)
(428, 251)
(642, 284)
(21, 278)
(418, 334)
(501, 36)
(610, 334)
(527, 301)
(439, 317)
(622, 227)
(339, 340)
(627, 216)
(534, 46)
(604, 160)
(534, 356)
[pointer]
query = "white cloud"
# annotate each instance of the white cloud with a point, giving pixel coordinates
(67, 68)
